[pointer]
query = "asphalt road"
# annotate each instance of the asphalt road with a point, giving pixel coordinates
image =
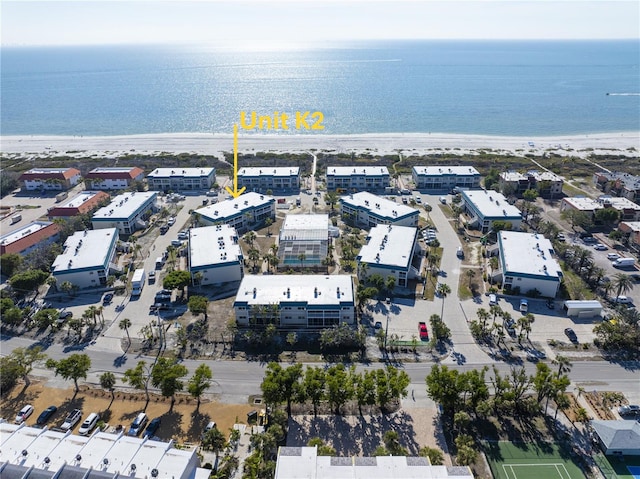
(235, 381)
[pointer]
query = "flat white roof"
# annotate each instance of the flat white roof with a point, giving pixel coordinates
(23, 231)
(124, 206)
(357, 170)
(101, 452)
(285, 171)
(86, 249)
(619, 202)
(528, 254)
(304, 463)
(491, 204)
(583, 304)
(633, 225)
(305, 227)
(178, 172)
(48, 170)
(211, 245)
(545, 176)
(306, 289)
(233, 207)
(389, 245)
(512, 176)
(381, 207)
(78, 200)
(445, 170)
(583, 203)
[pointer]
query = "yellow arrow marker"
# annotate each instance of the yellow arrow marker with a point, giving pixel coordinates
(235, 192)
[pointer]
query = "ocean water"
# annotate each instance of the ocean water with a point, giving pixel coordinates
(469, 87)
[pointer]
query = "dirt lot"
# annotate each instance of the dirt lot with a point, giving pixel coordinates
(183, 423)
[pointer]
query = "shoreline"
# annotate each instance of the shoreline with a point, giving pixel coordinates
(626, 143)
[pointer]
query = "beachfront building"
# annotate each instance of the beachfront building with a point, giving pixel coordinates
(581, 203)
(303, 241)
(389, 251)
(632, 230)
(618, 438)
(29, 237)
(56, 179)
(82, 203)
(177, 179)
(268, 178)
(113, 177)
(242, 213)
(366, 209)
(46, 453)
(548, 184)
(357, 178)
(128, 212)
(215, 254)
(445, 177)
(304, 462)
(618, 184)
(527, 262)
(87, 259)
(486, 206)
(295, 301)
(627, 209)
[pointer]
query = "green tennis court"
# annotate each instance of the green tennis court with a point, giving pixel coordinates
(510, 460)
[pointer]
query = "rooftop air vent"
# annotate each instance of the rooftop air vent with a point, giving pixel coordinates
(154, 472)
(78, 457)
(47, 460)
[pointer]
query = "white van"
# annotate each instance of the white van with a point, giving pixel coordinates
(443, 200)
(89, 423)
(493, 299)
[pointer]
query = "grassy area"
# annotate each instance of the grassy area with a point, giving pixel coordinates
(513, 460)
(429, 292)
(574, 285)
(571, 190)
(448, 212)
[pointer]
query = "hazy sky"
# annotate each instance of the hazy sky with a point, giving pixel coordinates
(277, 23)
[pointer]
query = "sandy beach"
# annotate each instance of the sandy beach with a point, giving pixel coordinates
(625, 143)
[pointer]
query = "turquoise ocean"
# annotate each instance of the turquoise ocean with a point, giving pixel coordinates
(522, 88)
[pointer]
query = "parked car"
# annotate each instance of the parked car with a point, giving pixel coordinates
(532, 357)
(621, 300)
(153, 426)
(164, 228)
(138, 424)
(71, 420)
(46, 415)
(613, 256)
(600, 247)
(493, 299)
(571, 334)
(152, 277)
(551, 304)
(176, 243)
(209, 426)
(171, 221)
(24, 414)
(589, 239)
(418, 199)
(524, 305)
(422, 329)
(65, 315)
(630, 410)
(107, 298)
(561, 237)
(460, 252)
(89, 423)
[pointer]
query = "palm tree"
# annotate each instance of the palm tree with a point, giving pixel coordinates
(483, 316)
(302, 257)
(125, 324)
(563, 363)
(108, 382)
(470, 274)
(443, 290)
(254, 256)
(622, 283)
(268, 222)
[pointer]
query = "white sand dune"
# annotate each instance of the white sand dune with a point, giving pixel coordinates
(627, 143)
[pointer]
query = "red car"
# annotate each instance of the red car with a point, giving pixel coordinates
(424, 334)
